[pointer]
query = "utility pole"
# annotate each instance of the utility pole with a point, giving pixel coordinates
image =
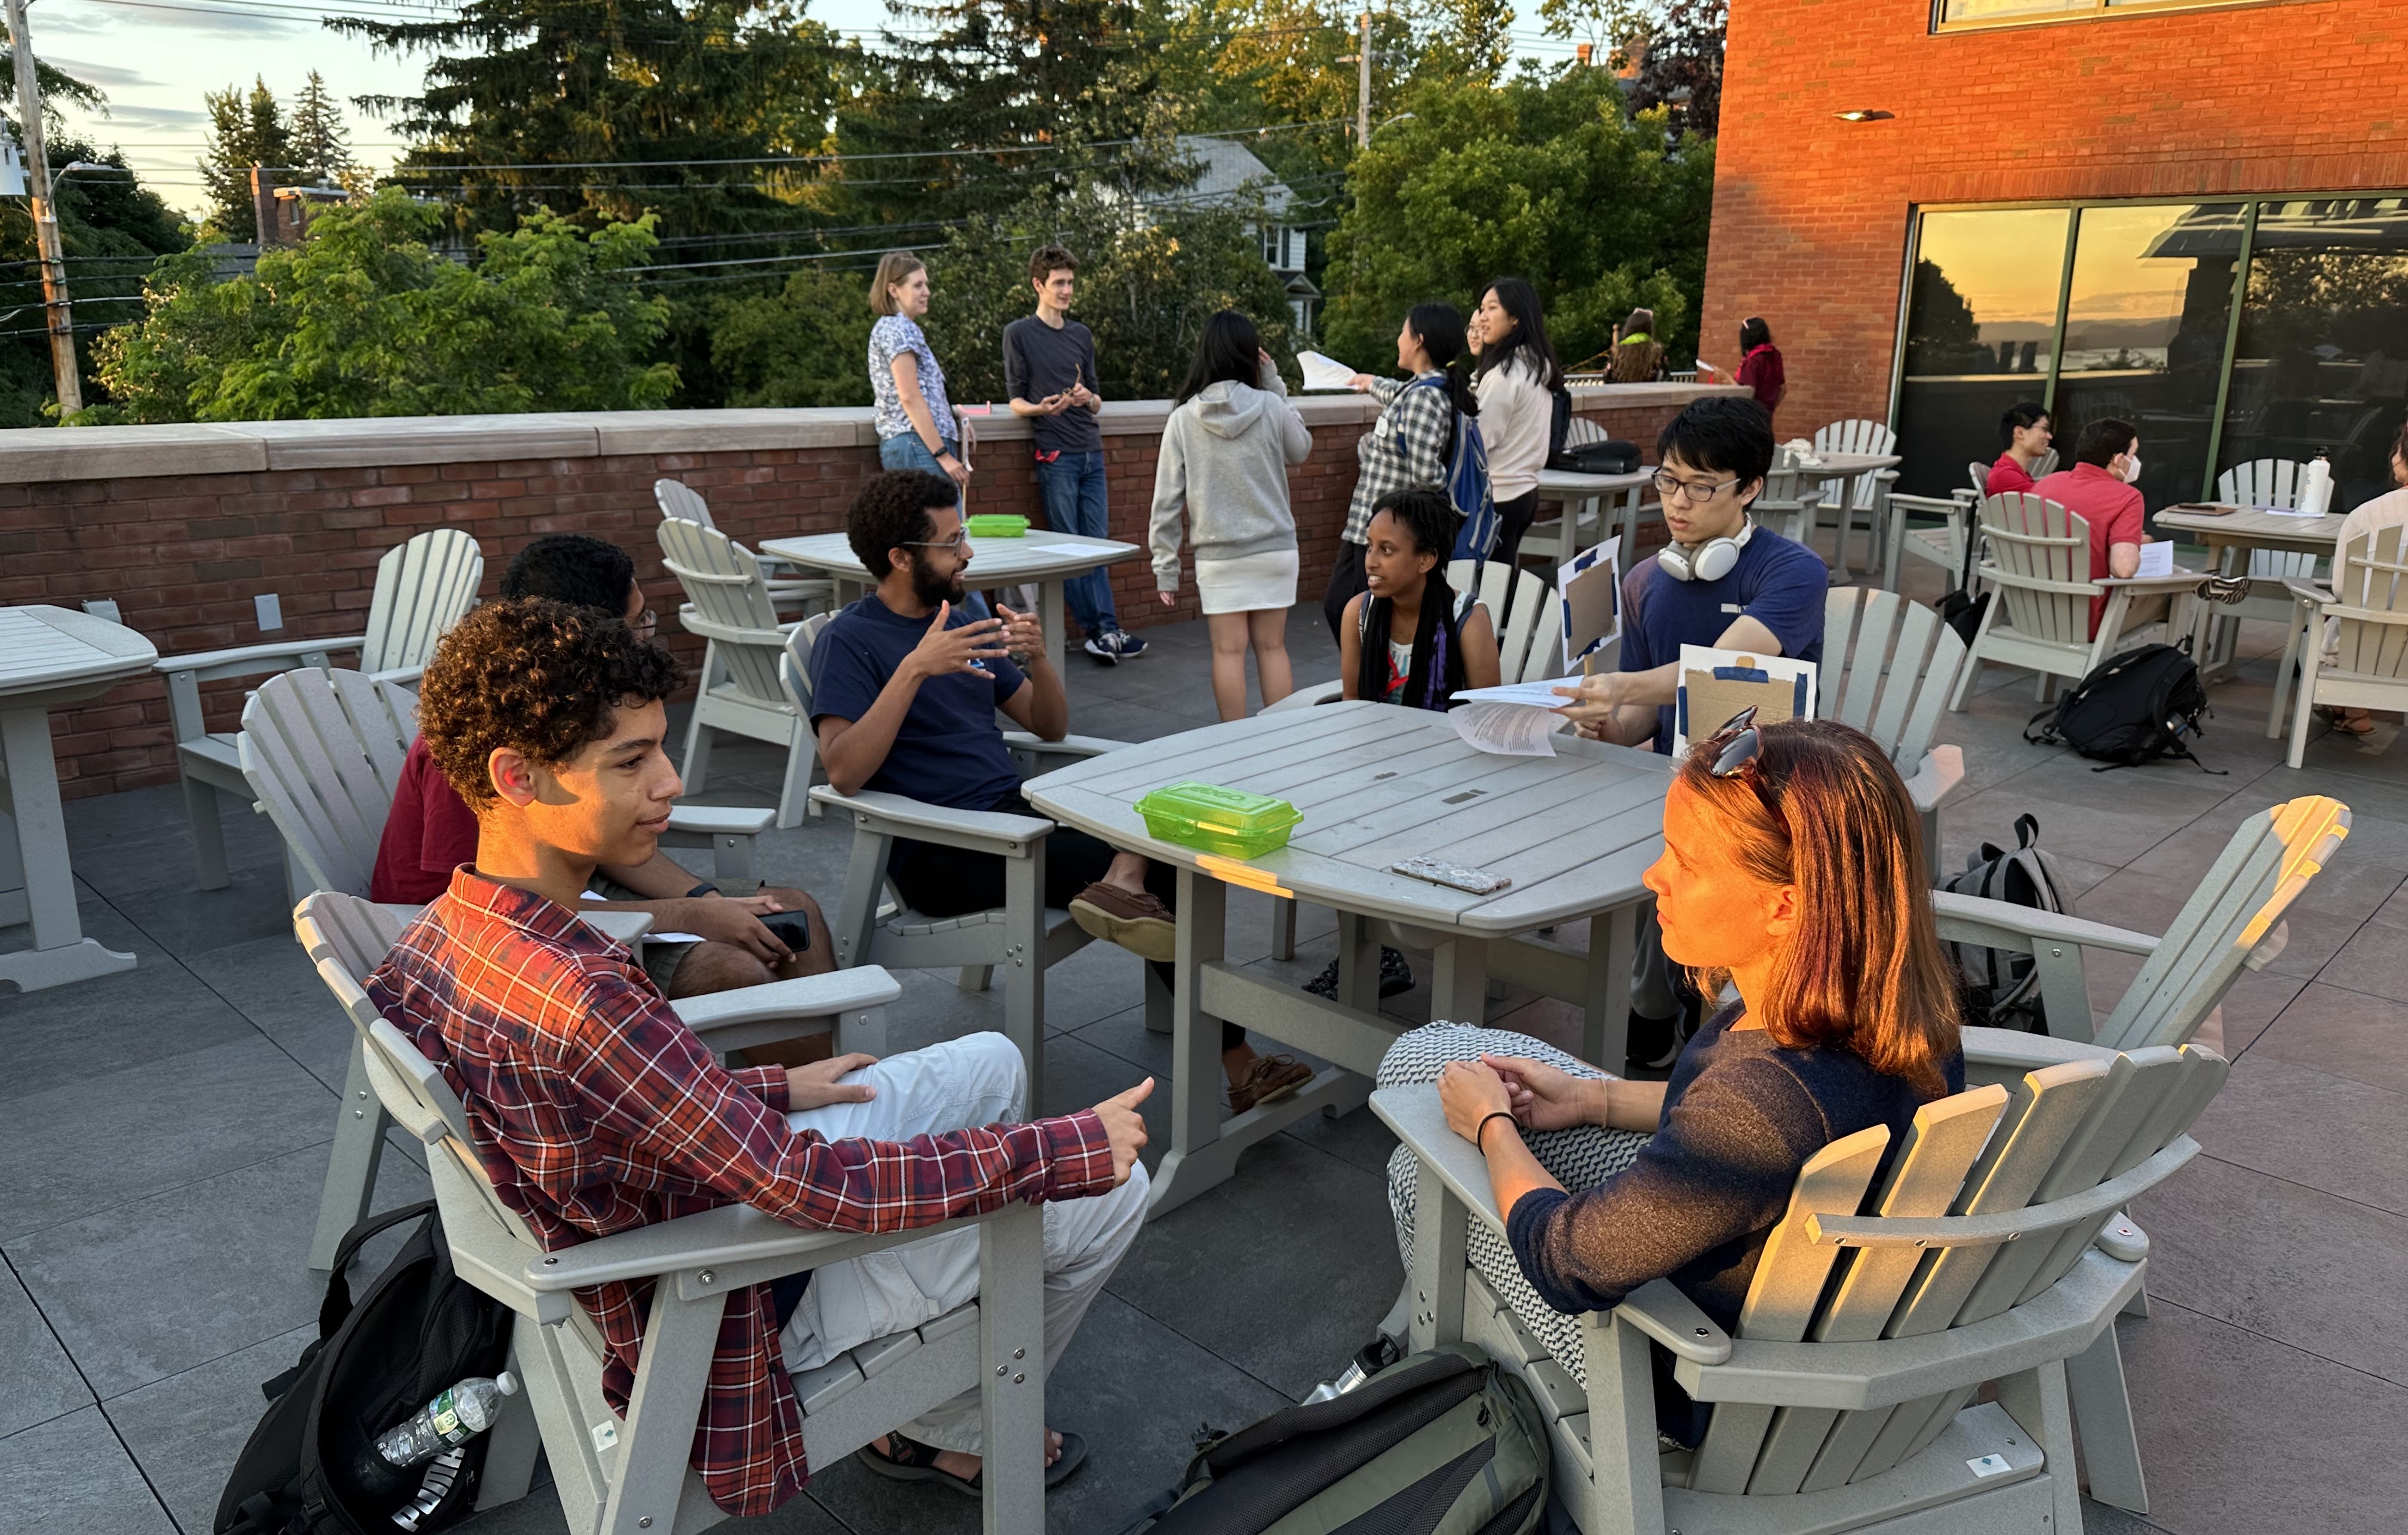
(45, 218)
(1362, 87)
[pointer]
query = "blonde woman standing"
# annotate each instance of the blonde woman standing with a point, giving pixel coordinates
(1226, 454)
(915, 423)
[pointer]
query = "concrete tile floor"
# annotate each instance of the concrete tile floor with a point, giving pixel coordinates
(167, 1130)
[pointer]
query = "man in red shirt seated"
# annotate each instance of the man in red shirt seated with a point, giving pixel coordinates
(2098, 490)
(2025, 429)
(594, 1110)
(745, 939)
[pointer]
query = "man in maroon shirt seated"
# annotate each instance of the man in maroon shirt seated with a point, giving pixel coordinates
(2098, 490)
(746, 939)
(594, 1110)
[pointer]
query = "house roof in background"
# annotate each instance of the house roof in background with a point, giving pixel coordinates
(1227, 172)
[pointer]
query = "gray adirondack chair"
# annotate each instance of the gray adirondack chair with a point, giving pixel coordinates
(323, 752)
(728, 604)
(2367, 609)
(1867, 501)
(421, 590)
(1942, 545)
(1993, 1250)
(629, 1476)
(2232, 921)
(1594, 518)
(800, 595)
(2036, 561)
(1889, 665)
(1790, 504)
(874, 926)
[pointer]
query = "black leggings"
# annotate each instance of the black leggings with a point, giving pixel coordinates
(1346, 582)
(1514, 519)
(940, 881)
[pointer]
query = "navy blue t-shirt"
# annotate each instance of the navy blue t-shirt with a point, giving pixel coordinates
(1779, 584)
(949, 750)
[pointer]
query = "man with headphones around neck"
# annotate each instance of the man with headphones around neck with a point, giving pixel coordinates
(1725, 582)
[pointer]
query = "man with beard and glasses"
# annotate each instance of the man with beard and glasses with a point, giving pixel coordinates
(905, 686)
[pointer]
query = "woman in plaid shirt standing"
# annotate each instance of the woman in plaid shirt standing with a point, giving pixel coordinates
(1408, 445)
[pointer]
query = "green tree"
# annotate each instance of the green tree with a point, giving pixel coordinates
(245, 130)
(805, 346)
(322, 145)
(1548, 180)
(364, 318)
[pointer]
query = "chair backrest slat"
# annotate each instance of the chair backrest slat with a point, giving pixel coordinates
(1895, 663)
(724, 583)
(677, 499)
(2029, 539)
(323, 753)
(421, 590)
(1530, 642)
(2371, 571)
(1858, 436)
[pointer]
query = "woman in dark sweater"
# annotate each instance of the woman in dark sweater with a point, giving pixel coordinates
(1793, 874)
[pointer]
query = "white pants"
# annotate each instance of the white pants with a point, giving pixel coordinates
(958, 1085)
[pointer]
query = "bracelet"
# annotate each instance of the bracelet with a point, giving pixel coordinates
(1479, 1136)
(706, 888)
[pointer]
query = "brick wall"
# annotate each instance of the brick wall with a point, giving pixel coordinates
(1811, 213)
(183, 526)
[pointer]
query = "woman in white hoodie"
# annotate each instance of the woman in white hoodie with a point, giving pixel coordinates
(1515, 381)
(1226, 454)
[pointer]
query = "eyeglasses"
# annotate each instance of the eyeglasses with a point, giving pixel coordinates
(647, 621)
(959, 540)
(1742, 744)
(1673, 485)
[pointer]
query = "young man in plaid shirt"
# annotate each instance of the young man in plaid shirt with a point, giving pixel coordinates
(595, 1111)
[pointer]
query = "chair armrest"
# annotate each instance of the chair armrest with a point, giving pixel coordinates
(714, 1244)
(716, 820)
(1942, 769)
(253, 660)
(2122, 1239)
(400, 676)
(2011, 1049)
(899, 816)
(1414, 1114)
(1997, 924)
(2307, 594)
(1659, 1310)
(628, 928)
(808, 997)
(1952, 510)
(2143, 585)
(1076, 747)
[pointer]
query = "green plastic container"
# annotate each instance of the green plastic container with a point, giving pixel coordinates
(1211, 819)
(999, 525)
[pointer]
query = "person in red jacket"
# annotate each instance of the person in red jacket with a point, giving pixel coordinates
(2098, 490)
(1759, 365)
(2025, 429)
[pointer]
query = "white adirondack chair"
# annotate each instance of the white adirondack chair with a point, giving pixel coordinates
(874, 926)
(1942, 545)
(1889, 665)
(1789, 505)
(421, 590)
(2232, 921)
(1992, 1251)
(2369, 609)
(2036, 561)
(728, 604)
(1545, 536)
(629, 1476)
(2261, 482)
(1867, 496)
(800, 594)
(322, 753)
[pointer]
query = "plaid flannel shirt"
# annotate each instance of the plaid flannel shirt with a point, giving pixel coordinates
(594, 1110)
(1424, 416)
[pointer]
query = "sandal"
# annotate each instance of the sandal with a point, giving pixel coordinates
(907, 1459)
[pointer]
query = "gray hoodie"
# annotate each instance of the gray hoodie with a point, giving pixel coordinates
(1224, 458)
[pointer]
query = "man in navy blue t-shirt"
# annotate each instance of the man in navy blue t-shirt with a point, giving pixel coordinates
(1722, 582)
(905, 686)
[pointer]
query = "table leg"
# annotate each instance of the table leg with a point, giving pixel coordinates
(1629, 526)
(1605, 1012)
(60, 953)
(1195, 1038)
(1459, 981)
(13, 907)
(1051, 598)
(1358, 964)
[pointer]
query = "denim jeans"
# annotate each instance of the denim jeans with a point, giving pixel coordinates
(1073, 486)
(907, 452)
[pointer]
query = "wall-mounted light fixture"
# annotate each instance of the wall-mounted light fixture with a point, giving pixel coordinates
(1864, 115)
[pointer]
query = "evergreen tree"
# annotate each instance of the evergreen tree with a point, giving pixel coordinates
(322, 147)
(244, 130)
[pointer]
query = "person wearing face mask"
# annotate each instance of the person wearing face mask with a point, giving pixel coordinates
(2099, 488)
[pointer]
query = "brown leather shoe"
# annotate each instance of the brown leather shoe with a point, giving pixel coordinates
(1138, 922)
(1270, 1079)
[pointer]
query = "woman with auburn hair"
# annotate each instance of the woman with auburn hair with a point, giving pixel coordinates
(1793, 874)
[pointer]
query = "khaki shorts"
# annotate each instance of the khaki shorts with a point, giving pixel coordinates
(660, 960)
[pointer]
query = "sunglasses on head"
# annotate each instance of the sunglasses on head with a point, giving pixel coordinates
(1735, 745)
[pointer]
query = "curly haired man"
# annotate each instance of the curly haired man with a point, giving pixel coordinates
(594, 1110)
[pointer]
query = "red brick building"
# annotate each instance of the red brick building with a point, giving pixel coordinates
(2187, 215)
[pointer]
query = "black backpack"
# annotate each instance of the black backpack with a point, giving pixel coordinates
(311, 1467)
(1999, 988)
(2134, 708)
(1478, 1461)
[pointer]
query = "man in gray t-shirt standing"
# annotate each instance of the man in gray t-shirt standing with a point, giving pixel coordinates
(1049, 370)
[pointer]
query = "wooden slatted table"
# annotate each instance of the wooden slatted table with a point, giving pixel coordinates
(1047, 559)
(2230, 538)
(49, 656)
(1377, 784)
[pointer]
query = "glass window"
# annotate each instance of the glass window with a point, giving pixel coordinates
(1981, 334)
(2145, 318)
(1975, 12)
(2322, 363)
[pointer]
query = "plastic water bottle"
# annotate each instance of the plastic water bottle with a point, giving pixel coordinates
(453, 1417)
(2316, 487)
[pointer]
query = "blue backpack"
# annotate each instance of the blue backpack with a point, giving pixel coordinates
(1466, 480)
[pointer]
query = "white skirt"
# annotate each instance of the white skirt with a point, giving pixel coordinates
(1248, 584)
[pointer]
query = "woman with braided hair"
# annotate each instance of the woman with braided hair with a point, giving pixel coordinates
(1411, 639)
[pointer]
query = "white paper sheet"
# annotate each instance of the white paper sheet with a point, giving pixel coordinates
(2287, 511)
(1532, 694)
(654, 937)
(1506, 729)
(2157, 559)
(1324, 373)
(1033, 545)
